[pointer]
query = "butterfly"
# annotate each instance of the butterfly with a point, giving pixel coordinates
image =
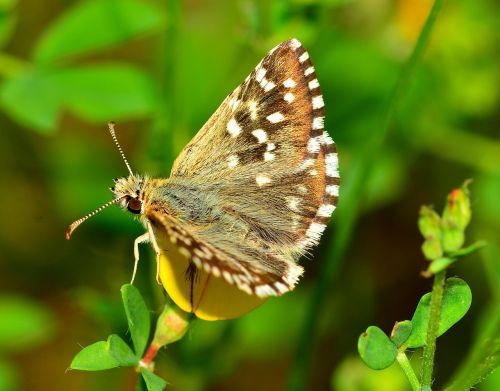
(253, 191)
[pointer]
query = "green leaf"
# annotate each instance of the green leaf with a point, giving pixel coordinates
(153, 382)
(95, 357)
(121, 352)
(138, 318)
(95, 24)
(24, 323)
(376, 349)
(100, 92)
(457, 299)
(401, 332)
(96, 93)
(33, 100)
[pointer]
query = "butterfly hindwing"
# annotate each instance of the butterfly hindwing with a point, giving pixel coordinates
(241, 266)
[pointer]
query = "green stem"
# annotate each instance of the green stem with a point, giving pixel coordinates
(432, 329)
(405, 365)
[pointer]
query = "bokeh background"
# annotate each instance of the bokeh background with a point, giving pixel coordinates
(159, 69)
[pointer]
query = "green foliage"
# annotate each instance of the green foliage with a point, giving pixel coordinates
(437, 311)
(37, 94)
(95, 357)
(456, 302)
(115, 352)
(401, 332)
(111, 21)
(153, 382)
(376, 349)
(139, 321)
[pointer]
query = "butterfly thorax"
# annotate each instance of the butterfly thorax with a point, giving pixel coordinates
(182, 199)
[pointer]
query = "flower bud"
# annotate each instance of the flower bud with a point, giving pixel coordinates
(429, 224)
(457, 212)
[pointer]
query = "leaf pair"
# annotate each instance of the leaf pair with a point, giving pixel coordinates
(114, 352)
(379, 351)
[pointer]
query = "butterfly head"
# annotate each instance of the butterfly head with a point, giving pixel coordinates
(127, 192)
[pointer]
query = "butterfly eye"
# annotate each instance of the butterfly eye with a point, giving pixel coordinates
(134, 205)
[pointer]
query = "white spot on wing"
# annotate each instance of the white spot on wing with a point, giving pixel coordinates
(313, 145)
(268, 86)
(308, 71)
(233, 128)
(289, 97)
(332, 190)
(313, 84)
(252, 106)
(275, 117)
(264, 290)
(232, 161)
(295, 44)
(304, 57)
(302, 189)
(289, 83)
(234, 103)
(325, 210)
(215, 271)
(327, 139)
(293, 203)
(317, 102)
(307, 163)
(260, 134)
(184, 251)
(271, 147)
(268, 156)
(318, 123)
(315, 230)
(262, 179)
(332, 165)
(260, 74)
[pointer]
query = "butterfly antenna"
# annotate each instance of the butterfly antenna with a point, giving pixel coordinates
(76, 223)
(111, 127)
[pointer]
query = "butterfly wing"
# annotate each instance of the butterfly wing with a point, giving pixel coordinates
(216, 254)
(274, 166)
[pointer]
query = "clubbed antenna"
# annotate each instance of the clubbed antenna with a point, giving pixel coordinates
(111, 127)
(76, 223)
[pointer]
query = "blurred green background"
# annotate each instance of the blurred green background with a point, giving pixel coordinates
(159, 69)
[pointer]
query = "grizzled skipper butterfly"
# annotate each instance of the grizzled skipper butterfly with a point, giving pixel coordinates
(254, 189)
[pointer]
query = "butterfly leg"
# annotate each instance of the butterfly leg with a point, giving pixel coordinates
(144, 238)
(157, 251)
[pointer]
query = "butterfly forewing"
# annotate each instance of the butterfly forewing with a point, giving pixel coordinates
(270, 166)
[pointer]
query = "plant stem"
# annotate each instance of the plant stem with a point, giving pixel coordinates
(405, 365)
(432, 329)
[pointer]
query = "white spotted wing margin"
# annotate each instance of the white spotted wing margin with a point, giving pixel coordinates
(203, 253)
(265, 173)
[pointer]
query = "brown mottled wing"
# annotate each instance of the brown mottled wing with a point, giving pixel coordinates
(273, 166)
(235, 264)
